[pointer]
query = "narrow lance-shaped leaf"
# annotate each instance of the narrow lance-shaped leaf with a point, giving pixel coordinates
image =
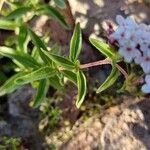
(76, 43)
(40, 45)
(81, 83)
(53, 12)
(55, 82)
(22, 37)
(19, 12)
(24, 59)
(42, 73)
(60, 3)
(8, 25)
(104, 48)
(110, 80)
(59, 60)
(70, 75)
(10, 85)
(41, 93)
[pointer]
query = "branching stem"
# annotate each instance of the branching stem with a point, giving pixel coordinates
(104, 62)
(96, 63)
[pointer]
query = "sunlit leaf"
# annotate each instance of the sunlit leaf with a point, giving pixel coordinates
(19, 12)
(22, 38)
(76, 43)
(82, 89)
(36, 40)
(59, 60)
(40, 45)
(104, 48)
(42, 73)
(110, 80)
(8, 25)
(41, 93)
(70, 75)
(10, 85)
(55, 82)
(49, 10)
(25, 59)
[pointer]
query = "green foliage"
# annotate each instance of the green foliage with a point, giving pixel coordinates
(76, 43)
(41, 73)
(18, 13)
(41, 93)
(7, 24)
(49, 115)
(9, 143)
(60, 61)
(10, 85)
(110, 80)
(24, 59)
(41, 64)
(81, 82)
(105, 49)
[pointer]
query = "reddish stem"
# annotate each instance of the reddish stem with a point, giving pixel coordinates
(103, 62)
(96, 63)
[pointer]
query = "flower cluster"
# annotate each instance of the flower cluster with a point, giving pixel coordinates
(134, 45)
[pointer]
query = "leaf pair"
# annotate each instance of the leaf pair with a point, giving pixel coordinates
(26, 77)
(105, 49)
(109, 52)
(24, 59)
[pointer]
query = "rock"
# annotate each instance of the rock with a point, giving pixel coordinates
(21, 120)
(92, 14)
(125, 126)
(18, 102)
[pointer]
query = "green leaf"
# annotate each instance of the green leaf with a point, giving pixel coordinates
(36, 40)
(110, 80)
(60, 3)
(10, 85)
(81, 82)
(49, 10)
(104, 48)
(8, 25)
(76, 43)
(22, 38)
(59, 60)
(70, 75)
(18, 13)
(40, 45)
(41, 93)
(25, 59)
(55, 82)
(42, 73)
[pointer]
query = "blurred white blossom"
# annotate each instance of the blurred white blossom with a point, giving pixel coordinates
(146, 86)
(134, 45)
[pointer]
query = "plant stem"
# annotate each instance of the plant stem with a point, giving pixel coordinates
(122, 71)
(103, 62)
(96, 63)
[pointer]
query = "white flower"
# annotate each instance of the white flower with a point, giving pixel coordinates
(129, 53)
(134, 44)
(127, 23)
(145, 63)
(146, 86)
(145, 47)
